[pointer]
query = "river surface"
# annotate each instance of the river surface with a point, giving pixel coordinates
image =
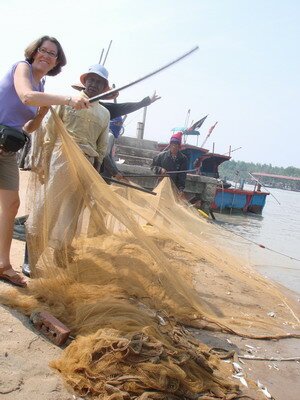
(278, 228)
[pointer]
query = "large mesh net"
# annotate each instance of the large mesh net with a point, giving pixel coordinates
(125, 271)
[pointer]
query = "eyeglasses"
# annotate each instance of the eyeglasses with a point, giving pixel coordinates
(43, 51)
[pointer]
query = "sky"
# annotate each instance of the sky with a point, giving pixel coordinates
(245, 75)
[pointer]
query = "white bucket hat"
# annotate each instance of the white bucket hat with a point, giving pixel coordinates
(98, 70)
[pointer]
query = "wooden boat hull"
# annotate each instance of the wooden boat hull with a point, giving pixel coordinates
(238, 200)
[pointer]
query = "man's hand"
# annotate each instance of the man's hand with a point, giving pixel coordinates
(39, 170)
(163, 171)
(33, 124)
(121, 177)
(181, 195)
(154, 97)
(43, 111)
(118, 176)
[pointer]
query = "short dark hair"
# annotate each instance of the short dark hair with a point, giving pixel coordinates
(31, 51)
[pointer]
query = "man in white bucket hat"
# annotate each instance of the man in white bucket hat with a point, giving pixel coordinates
(96, 73)
(89, 129)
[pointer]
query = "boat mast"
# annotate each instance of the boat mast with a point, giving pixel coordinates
(209, 133)
(186, 125)
(141, 125)
(107, 53)
(100, 59)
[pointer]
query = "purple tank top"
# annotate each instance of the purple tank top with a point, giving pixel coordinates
(13, 112)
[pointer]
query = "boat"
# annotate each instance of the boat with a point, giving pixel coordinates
(227, 199)
(239, 200)
(135, 158)
(204, 188)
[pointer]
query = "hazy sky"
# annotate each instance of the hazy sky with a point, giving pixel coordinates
(246, 74)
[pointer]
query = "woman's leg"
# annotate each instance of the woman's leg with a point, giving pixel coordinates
(9, 204)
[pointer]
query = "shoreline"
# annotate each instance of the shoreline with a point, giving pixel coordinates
(277, 230)
(25, 354)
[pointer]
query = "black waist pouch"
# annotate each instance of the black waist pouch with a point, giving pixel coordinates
(11, 139)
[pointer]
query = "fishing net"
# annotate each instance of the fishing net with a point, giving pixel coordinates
(125, 271)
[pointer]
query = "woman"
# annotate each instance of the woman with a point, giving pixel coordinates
(23, 104)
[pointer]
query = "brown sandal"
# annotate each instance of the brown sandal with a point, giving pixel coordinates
(10, 275)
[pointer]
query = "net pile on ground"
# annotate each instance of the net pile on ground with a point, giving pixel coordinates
(122, 269)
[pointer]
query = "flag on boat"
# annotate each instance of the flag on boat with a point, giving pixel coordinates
(212, 128)
(197, 124)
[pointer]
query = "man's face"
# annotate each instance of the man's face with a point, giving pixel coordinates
(174, 148)
(94, 85)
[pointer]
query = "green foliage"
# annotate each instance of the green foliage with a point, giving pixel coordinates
(235, 170)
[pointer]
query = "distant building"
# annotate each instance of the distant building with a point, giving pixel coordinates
(278, 181)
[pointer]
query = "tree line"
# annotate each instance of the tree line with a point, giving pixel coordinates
(236, 170)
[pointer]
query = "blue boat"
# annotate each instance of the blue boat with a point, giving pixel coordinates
(227, 199)
(204, 188)
(239, 200)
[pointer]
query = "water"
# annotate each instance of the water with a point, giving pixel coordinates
(278, 229)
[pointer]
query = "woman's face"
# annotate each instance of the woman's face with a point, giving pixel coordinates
(45, 58)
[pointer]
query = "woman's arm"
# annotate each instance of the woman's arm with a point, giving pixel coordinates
(34, 123)
(30, 97)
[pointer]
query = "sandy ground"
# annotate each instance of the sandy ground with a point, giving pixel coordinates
(281, 378)
(24, 354)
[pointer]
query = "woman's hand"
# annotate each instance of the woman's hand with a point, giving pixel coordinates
(78, 103)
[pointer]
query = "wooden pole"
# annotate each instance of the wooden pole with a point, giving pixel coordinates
(231, 151)
(103, 95)
(107, 53)
(144, 121)
(263, 186)
(187, 119)
(129, 185)
(186, 125)
(115, 99)
(100, 59)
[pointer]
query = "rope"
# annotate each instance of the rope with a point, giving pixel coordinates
(159, 175)
(248, 357)
(229, 230)
(135, 117)
(264, 187)
(231, 354)
(261, 245)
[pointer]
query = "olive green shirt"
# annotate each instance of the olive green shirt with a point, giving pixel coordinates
(89, 128)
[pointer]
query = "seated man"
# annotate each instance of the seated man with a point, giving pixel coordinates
(118, 114)
(109, 167)
(172, 160)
